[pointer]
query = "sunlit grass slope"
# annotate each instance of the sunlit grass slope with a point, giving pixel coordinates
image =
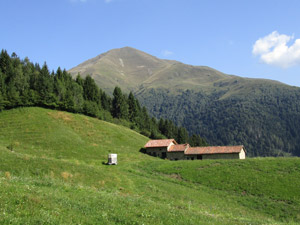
(270, 185)
(52, 171)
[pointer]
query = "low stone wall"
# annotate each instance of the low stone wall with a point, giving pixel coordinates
(158, 152)
(175, 155)
(221, 156)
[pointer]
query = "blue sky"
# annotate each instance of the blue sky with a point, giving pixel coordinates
(250, 38)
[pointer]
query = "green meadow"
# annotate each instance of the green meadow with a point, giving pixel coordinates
(53, 171)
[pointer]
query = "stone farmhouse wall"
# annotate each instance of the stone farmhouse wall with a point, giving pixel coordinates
(157, 152)
(175, 155)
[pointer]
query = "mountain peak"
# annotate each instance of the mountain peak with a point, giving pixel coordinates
(133, 69)
(125, 49)
(126, 67)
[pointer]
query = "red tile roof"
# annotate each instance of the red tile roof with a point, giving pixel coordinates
(159, 143)
(179, 148)
(214, 150)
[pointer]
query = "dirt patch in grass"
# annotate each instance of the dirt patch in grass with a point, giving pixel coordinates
(7, 175)
(174, 176)
(66, 175)
(61, 115)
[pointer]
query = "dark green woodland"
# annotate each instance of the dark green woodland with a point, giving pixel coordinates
(24, 84)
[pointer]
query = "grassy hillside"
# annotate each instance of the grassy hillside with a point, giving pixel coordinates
(52, 171)
(267, 184)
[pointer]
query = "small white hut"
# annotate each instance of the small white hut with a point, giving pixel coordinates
(112, 159)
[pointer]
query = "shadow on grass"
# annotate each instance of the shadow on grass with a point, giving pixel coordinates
(143, 150)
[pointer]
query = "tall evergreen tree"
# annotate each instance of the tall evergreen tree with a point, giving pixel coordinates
(161, 126)
(79, 80)
(196, 140)
(182, 136)
(91, 90)
(106, 101)
(132, 108)
(146, 121)
(119, 104)
(45, 85)
(5, 62)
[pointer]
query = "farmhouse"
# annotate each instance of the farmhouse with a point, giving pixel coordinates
(216, 152)
(159, 147)
(177, 151)
(168, 148)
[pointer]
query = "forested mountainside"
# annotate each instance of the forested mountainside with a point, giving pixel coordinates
(263, 115)
(24, 84)
(266, 123)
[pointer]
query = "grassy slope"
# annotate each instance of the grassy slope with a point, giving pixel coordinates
(55, 174)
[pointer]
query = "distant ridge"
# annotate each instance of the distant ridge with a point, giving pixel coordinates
(134, 70)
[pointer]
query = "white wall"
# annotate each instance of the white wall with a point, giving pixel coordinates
(242, 154)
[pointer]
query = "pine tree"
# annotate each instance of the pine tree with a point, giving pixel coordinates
(161, 126)
(132, 108)
(79, 80)
(182, 136)
(45, 85)
(77, 95)
(106, 101)
(91, 90)
(197, 140)
(2, 86)
(5, 63)
(119, 105)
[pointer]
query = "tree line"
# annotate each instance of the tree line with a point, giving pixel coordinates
(23, 84)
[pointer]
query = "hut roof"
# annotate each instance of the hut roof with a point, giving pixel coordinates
(179, 148)
(159, 143)
(214, 150)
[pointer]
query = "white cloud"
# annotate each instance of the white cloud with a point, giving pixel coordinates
(273, 50)
(166, 53)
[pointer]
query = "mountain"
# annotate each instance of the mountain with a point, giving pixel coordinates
(134, 70)
(225, 109)
(125, 67)
(53, 171)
